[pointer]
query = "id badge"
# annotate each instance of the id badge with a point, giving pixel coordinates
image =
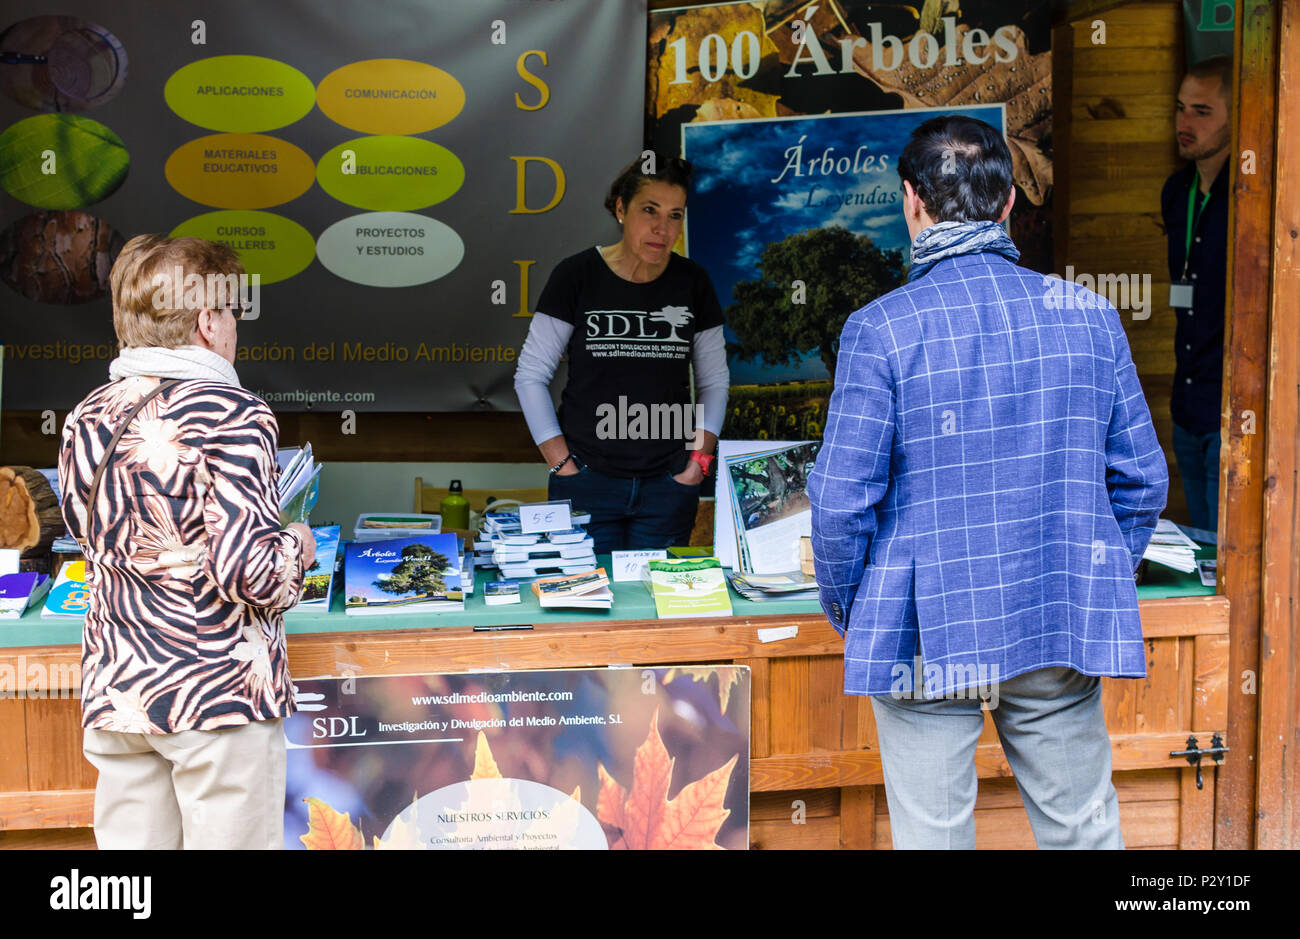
(1180, 294)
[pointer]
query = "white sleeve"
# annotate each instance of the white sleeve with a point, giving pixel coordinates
(544, 346)
(712, 378)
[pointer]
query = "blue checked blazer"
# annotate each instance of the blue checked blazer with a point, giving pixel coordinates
(988, 481)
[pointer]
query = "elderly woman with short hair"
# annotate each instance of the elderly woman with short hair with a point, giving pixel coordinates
(169, 483)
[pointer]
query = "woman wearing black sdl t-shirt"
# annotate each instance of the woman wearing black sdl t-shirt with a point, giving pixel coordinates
(627, 445)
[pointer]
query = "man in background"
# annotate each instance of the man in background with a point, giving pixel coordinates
(1194, 204)
(988, 481)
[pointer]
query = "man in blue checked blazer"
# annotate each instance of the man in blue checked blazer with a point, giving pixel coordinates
(988, 481)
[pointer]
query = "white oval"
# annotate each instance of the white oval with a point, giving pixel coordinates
(390, 249)
(496, 814)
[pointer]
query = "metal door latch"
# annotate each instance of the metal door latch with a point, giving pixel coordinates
(1193, 753)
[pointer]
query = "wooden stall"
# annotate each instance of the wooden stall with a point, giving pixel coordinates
(815, 773)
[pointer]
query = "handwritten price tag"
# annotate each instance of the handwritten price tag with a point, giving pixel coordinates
(540, 517)
(628, 565)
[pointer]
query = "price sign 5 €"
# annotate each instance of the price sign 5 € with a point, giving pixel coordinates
(541, 517)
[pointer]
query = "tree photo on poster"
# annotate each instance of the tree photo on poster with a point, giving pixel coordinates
(794, 114)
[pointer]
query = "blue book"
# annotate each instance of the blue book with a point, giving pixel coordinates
(19, 591)
(421, 574)
(318, 585)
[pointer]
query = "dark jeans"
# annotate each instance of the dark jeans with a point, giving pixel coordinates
(630, 514)
(1198, 463)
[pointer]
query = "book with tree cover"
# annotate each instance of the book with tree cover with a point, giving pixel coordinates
(687, 587)
(403, 575)
(318, 585)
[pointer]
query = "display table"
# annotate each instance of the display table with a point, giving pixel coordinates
(813, 749)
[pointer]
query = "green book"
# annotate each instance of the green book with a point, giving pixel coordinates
(687, 587)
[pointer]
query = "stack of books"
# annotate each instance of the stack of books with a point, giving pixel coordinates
(588, 590)
(760, 587)
(466, 551)
(1170, 547)
(502, 544)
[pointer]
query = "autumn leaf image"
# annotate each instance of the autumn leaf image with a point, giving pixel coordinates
(1024, 83)
(727, 679)
(672, 36)
(328, 830)
(644, 818)
(485, 765)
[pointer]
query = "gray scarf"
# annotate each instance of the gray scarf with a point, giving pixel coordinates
(182, 362)
(950, 239)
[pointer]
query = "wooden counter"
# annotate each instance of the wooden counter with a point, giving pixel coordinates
(815, 771)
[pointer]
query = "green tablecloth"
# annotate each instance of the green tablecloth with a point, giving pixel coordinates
(631, 602)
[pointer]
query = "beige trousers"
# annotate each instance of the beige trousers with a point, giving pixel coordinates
(208, 789)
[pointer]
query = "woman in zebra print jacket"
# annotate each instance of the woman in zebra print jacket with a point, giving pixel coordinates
(185, 680)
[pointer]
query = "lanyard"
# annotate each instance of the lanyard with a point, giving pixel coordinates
(1193, 219)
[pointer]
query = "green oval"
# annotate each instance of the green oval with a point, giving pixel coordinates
(390, 173)
(61, 161)
(240, 93)
(271, 246)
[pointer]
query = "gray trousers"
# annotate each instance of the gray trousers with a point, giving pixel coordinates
(1053, 732)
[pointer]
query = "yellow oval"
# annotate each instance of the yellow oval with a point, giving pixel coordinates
(271, 246)
(246, 93)
(390, 96)
(390, 173)
(240, 171)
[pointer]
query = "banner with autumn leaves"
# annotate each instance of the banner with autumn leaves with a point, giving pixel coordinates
(623, 758)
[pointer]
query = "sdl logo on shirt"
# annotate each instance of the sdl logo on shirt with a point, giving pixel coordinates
(639, 326)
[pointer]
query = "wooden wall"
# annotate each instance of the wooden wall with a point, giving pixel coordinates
(1119, 151)
(805, 732)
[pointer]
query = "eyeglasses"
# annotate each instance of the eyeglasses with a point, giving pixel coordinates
(238, 311)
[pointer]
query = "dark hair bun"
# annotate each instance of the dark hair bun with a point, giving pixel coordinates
(672, 170)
